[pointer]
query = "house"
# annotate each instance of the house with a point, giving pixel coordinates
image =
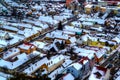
(68, 76)
(84, 61)
(20, 59)
(39, 44)
(5, 36)
(103, 9)
(56, 46)
(112, 44)
(27, 48)
(88, 8)
(56, 72)
(72, 29)
(87, 25)
(9, 54)
(102, 42)
(75, 69)
(76, 24)
(99, 53)
(90, 57)
(48, 19)
(67, 62)
(9, 29)
(98, 73)
(57, 34)
(61, 35)
(47, 64)
(54, 62)
(69, 33)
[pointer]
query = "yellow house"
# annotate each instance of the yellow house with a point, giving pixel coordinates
(27, 48)
(103, 9)
(1, 49)
(94, 43)
(88, 8)
(102, 42)
(44, 66)
(97, 8)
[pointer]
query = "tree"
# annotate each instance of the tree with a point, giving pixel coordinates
(62, 45)
(60, 26)
(106, 43)
(20, 77)
(14, 12)
(48, 55)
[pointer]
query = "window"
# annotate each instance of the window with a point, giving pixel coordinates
(72, 71)
(49, 63)
(68, 70)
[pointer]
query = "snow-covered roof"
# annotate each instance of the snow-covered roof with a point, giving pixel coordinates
(72, 29)
(22, 58)
(102, 40)
(57, 34)
(3, 78)
(35, 66)
(26, 46)
(67, 62)
(11, 52)
(39, 44)
(76, 65)
(118, 78)
(117, 75)
(48, 19)
(53, 74)
(99, 52)
(116, 39)
(36, 53)
(112, 42)
(93, 76)
(85, 37)
(38, 64)
(10, 28)
(2, 7)
(89, 55)
(69, 76)
(69, 33)
(37, 7)
(12, 3)
(98, 20)
(59, 18)
(20, 25)
(14, 40)
(72, 39)
(88, 23)
(55, 59)
(82, 50)
(28, 32)
(88, 6)
(76, 23)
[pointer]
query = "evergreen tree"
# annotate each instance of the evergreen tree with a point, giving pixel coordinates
(60, 26)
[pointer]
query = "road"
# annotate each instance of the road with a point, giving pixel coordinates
(37, 58)
(22, 67)
(110, 59)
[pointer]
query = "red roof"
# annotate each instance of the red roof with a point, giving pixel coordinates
(29, 44)
(83, 59)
